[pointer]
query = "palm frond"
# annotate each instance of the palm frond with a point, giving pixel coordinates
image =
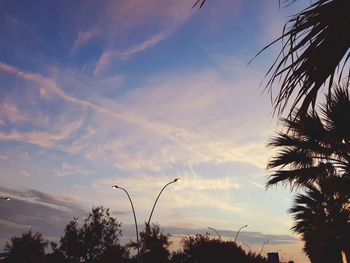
(199, 3)
(337, 114)
(292, 157)
(299, 177)
(316, 42)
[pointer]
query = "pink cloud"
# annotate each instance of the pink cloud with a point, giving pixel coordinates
(180, 140)
(107, 56)
(127, 18)
(83, 38)
(4, 157)
(43, 139)
(24, 173)
(70, 170)
(9, 112)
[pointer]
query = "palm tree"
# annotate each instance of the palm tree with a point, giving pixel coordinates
(314, 146)
(322, 217)
(313, 154)
(316, 42)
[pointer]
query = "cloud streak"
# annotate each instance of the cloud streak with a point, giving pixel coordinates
(110, 55)
(205, 149)
(43, 139)
(9, 112)
(70, 170)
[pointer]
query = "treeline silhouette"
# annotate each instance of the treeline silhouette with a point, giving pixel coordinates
(97, 240)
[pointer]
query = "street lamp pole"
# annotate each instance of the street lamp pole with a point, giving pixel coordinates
(150, 216)
(133, 211)
(161, 191)
(262, 247)
(239, 231)
(215, 231)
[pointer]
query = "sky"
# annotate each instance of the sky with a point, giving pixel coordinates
(137, 93)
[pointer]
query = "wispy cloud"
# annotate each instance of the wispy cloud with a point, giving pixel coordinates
(9, 112)
(70, 170)
(4, 157)
(83, 38)
(202, 147)
(187, 182)
(130, 19)
(258, 185)
(24, 173)
(125, 18)
(43, 139)
(109, 55)
(191, 192)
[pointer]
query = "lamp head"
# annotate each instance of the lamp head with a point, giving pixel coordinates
(115, 186)
(176, 179)
(7, 198)
(246, 226)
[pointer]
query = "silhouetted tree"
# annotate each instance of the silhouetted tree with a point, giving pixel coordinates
(314, 147)
(27, 248)
(203, 249)
(96, 241)
(314, 154)
(322, 217)
(56, 255)
(154, 245)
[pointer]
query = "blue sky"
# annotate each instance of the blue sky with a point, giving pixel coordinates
(137, 93)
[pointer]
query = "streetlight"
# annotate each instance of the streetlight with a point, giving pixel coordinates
(214, 231)
(5, 198)
(262, 247)
(133, 211)
(239, 231)
(161, 191)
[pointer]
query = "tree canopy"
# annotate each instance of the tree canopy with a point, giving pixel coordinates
(27, 248)
(203, 249)
(154, 244)
(97, 240)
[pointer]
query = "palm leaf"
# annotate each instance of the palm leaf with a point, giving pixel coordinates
(316, 42)
(199, 3)
(299, 177)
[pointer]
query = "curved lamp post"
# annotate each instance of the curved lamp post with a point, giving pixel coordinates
(161, 191)
(133, 211)
(239, 231)
(262, 247)
(5, 198)
(214, 231)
